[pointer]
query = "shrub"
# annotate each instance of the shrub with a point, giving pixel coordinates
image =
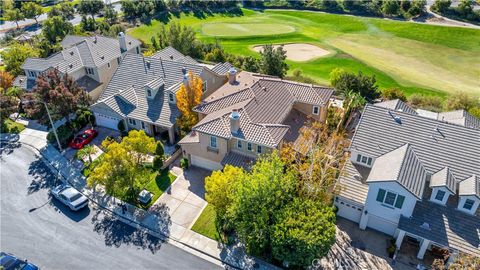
(184, 163)
(431, 103)
(121, 126)
(65, 134)
(393, 93)
(159, 150)
(157, 163)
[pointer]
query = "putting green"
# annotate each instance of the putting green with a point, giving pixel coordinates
(245, 29)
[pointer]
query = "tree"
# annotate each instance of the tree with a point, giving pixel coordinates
(32, 10)
(121, 169)
(45, 47)
(219, 187)
(111, 15)
(8, 105)
(15, 56)
(13, 15)
(461, 262)
(441, 6)
(364, 85)
(250, 64)
(394, 93)
(475, 111)
(189, 96)
(460, 100)
(272, 61)
(64, 10)
(87, 151)
(334, 76)
(60, 92)
(128, 9)
(417, 8)
(159, 149)
(266, 189)
(180, 37)
(55, 29)
(90, 7)
(390, 7)
(6, 81)
(306, 227)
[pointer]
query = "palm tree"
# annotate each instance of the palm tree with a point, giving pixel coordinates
(353, 101)
(88, 150)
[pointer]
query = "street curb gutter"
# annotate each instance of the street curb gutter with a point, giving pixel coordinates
(129, 221)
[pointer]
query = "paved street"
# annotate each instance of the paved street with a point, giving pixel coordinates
(51, 236)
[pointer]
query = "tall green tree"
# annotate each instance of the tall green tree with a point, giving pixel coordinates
(390, 7)
(365, 85)
(14, 15)
(15, 56)
(306, 227)
(55, 29)
(90, 7)
(32, 10)
(272, 61)
(111, 15)
(441, 6)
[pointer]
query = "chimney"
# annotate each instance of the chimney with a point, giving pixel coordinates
(184, 70)
(185, 80)
(234, 121)
(122, 41)
(232, 75)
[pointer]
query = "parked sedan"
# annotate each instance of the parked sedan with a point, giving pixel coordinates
(10, 262)
(83, 139)
(70, 197)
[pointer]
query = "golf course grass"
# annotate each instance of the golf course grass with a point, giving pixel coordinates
(417, 58)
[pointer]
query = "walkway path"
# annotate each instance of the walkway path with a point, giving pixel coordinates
(156, 221)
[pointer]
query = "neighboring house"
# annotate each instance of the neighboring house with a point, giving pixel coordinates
(142, 93)
(250, 115)
(410, 175)
(91, 61)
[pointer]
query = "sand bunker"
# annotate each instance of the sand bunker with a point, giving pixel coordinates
(299, 51)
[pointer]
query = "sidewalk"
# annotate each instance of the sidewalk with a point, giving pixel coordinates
(156, 220)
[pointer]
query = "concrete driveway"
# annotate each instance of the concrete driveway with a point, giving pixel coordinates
(103, 133)
(185, 199)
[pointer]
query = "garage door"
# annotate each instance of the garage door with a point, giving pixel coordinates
(348, 210)
(205, 163)
(106, 121)
(381, 224)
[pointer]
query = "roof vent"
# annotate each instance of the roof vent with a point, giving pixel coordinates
(184, 70)
(398, 119)
(171, 57)
(357, 177)
(71, 52)
(70, 66)
(148, 64)
(264, 88)
(102, 57)
(95, 40)
(425, 226)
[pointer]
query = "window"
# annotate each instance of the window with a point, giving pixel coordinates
(149, 92)
(249, 146)
(390, 198)
(239, 144)
(138, 50)
(315, 110)
(89, 71)
(364, 160)
(132, 122)
(118, 60)
(170, 98)
(259, 149)
(468, 204)
(204, 87)
(143, 125)
(213, 142)
(440, 195)
(108, 65)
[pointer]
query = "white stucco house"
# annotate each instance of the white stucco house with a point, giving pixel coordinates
(414, 176)
(90, 60)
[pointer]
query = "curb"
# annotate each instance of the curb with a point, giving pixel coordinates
(127, 220)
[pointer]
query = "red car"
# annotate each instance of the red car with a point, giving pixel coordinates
(83, 139)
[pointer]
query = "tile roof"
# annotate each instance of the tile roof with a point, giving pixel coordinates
(171, 54)
(446, 226)
(437, 144)
(459, 117)
(396, 105)
(403, 166)
(444, 178)
(222, 68)
(352, 182)
(263, 105)
(470, 186)
(130, 80)
(238, 160)
(23, 82)
(79, 52)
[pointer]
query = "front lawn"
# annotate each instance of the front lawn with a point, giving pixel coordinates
(9, 126)
(205, 224)
(159, 183)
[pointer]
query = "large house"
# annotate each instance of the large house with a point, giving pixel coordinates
(91, 61)
(142, 92)
(414, 176)
(251, 114)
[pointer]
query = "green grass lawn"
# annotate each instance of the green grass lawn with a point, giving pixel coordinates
(417, 58)
(205, 224)
(10, 126)
(157, 185)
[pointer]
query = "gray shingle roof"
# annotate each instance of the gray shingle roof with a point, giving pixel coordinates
(460, 117)
(396, 105)
(263, 107)
(129, 81)
(171, 54)
(352, 182)
(23, 82)
(447, 226)
(403, 166)
(470, 186)
(437, 144)
(222, 68)
(79, 52)
(444, 178)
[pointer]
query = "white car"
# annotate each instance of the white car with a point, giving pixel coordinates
(70, 197)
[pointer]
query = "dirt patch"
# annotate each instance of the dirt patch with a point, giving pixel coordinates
(299, 51)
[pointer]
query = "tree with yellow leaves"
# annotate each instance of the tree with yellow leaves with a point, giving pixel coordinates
(189, 96)
(6, 81)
